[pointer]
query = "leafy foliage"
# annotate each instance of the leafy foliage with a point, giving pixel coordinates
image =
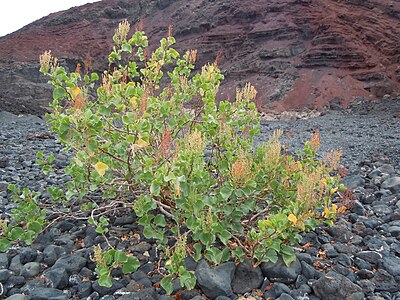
(27, 219)
(194, 170)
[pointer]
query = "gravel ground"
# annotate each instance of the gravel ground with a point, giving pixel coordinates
(357, 258)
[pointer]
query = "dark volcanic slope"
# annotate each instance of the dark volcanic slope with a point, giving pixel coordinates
(296, 52)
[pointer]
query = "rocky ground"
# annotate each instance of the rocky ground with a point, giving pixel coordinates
(357, 258)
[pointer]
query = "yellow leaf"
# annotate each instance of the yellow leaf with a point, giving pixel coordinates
(292, 218)
(334, 206)
(333, 190)
(140, 144)
(75, 91)
(133, 101)
(326, 211)
(101, 168)
(342, 209)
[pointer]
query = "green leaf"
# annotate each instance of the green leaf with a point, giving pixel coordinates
(166, 284)
(17, 234)
(198, 248)
(4, 244)
(35, 226)
(159, 220)
(131, 265)
(226, 192)
(94, 76)
(188, 280)
(225, 236)
(120, 257)
(59, 93)
(155, 188)
(288, 259)
(205, 238)
(105, 280)
(271, 256)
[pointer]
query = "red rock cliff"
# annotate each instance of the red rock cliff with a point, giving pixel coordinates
(298, 53)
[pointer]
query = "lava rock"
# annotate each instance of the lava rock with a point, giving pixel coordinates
(334, 286)
(102, 290)
(15, 264)
(215, 282)
(4, 275)
(51, 253)
(392, 265)
(370, 256)
(30, 269)
(72, 263)
(279, 272)
(144, 294)
(47, 294)
(392, 184)
(354, 182)
(4, 262)
(277, 290)
(246, 278)
(27, 255)
(57, 277)
(385, 282)
(17, 297)
(84, 289)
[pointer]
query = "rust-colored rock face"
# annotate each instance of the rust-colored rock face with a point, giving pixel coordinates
(297, 53)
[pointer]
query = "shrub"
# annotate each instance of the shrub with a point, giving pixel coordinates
(193, 176)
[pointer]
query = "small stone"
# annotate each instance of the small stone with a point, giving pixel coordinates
(32, 285)
(358, 208)
(394, 230)
(51, 253)
(382, 210)
(145, 294)
(27, 255)
(16, 281)
(124, 220)
(392, 265)
(307, 270)
(279, 272)
(277, 289)
(215, 282)
(47, 294)
(84, 289)
(246, 278)
(57, 277)
(17, 297)
(385, 282)
(4, 162)
(141, 247)
(340, 232)
(392, 184)
(133, 286)
(370, 256)
(72, 263)
(30, 269)
(15, 264)
(334, 286)
(102, 290)
(285, 296)
(365, 274)
(4, 275)
(367, 286)
(4, 262)
(354, 182)
(386, 169)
